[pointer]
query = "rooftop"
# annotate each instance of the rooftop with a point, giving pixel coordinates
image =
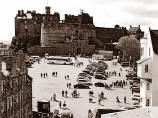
(136, 113)
(142, 60)
(154, 40)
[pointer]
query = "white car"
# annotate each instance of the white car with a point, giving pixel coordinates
(83, 79)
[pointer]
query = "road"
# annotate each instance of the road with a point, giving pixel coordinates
(46, 87)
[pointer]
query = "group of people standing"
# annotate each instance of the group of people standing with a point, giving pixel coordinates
(68, 85)
(64, 93)
(112, 73)
(66, 76)
(114, 63)
(120, 83)
(43, 75)
(124, 99)
(54, 73)
(78, 64)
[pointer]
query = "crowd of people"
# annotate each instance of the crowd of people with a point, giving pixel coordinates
(120, 83)
(113, 73)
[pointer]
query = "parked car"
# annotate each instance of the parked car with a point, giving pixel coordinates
(136, 103)
(100, 76)
(85, 75)
(136, 99)
(81, 86)
(99, 84)
(136, 89)
(87, 71)
(85, 83)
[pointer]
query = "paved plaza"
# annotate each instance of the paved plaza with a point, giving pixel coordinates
(46, 87)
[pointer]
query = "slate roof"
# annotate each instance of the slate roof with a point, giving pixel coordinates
(154, 40)
(142, 60)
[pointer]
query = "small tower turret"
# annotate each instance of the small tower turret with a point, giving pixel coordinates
(47, 8)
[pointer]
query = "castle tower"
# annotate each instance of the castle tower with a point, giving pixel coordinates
(47, 8)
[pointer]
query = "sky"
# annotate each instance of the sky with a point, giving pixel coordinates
(106, 13)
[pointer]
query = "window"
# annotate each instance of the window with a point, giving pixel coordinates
(148, 86)
(149, 51)
(146, 68)
(147, 102)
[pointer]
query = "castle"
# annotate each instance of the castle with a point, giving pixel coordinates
(45, 33)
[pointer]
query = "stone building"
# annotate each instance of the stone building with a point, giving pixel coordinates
(16, 88)
(49, 30)
(136, 32)
(4, 49)
(28, 27)
(107, 36)
(147, 69)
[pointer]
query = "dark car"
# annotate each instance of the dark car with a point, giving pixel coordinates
(99, 84)
(100, 76)
(135, 89)
(81, 86)
(86, 71)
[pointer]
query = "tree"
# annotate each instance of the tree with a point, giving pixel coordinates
(130, 46)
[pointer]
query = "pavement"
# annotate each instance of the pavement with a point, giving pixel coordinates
(46, 87)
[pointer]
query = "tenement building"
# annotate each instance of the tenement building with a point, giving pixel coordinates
(16, 88)
(47, 33)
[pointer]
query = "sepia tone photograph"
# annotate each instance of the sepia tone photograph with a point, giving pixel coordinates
(79, 59)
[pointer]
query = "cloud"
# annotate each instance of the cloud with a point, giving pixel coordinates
(146, 1)
(142, 11)
(123, 1)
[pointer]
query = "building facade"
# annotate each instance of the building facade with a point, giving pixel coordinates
(147, 69)
(4, 49)
(33, 29)
(136, 32)
(16, 88)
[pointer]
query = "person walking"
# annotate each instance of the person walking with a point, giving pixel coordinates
(67, 76)
(99, 101)
(70, 85)
(66, 93)
(60, 104)
(62, 93)
(124, 99)
(117, 100)
(64, 105)
(44, 75)
(54, 97)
